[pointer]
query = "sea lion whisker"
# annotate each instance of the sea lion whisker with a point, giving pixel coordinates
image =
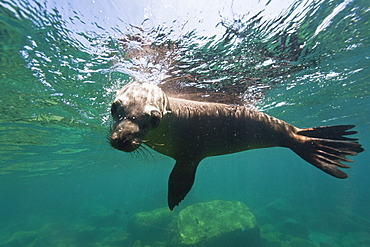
(142, 153)
(158, 144)
(107, 136)
(109, 133)
(138, 153)
(152, 144)
(147, 151)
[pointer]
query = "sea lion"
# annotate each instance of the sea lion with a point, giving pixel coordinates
(190, 131)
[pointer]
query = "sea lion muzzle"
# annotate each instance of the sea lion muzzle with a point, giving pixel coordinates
(124, 136)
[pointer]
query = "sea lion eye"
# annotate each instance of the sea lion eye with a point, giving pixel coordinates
(155, 118)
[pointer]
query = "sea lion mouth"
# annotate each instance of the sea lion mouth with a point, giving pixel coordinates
(125, 145)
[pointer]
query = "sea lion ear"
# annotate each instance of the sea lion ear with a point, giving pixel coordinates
(166, 105)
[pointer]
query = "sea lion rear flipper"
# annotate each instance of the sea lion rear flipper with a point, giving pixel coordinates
(180, 182)
(326, 147)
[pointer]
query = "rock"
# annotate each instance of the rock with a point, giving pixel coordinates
(21, 238)
(159, 244)
(329, 244)
(216, 223)
(299, 242)
(149, 227)
(137, 243)
(293, 228)
(356, 239)
(271, 239)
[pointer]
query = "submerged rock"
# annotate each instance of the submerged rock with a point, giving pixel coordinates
(299, 242)
(271, 239)
(21, 238)
(208, 224)
(150, 227)
(293, 228)
(216, 223)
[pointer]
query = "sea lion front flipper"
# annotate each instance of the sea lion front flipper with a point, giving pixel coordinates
(180, 182)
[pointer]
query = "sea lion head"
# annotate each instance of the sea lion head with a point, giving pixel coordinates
(138, 108)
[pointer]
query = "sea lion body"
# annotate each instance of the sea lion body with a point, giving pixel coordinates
(201, 129)
(190, 131)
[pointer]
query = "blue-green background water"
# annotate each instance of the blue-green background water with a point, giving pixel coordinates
(61, 184)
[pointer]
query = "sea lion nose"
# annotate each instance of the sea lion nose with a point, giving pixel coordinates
(124, 137)
(115, 141)
(123, 144)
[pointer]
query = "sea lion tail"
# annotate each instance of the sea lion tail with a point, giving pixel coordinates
(326, 147)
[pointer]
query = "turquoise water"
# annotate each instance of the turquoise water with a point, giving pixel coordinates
(61, 184)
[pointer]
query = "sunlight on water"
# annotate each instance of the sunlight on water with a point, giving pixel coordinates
(305, 62)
